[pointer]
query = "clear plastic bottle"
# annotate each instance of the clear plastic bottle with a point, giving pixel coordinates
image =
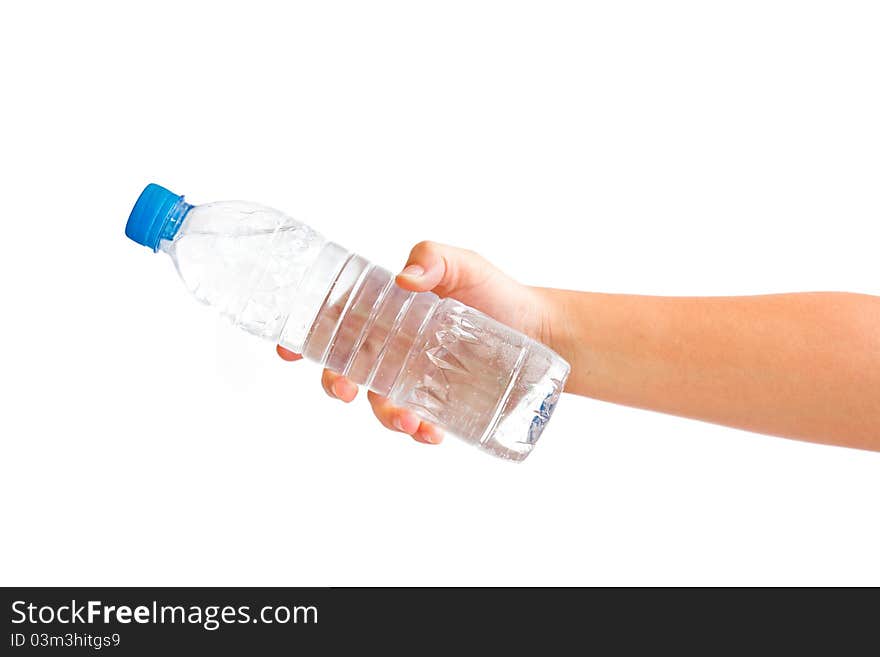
(279, 279)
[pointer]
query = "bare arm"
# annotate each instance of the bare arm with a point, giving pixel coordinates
(803, 366)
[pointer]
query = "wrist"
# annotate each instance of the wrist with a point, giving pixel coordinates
(551, 324)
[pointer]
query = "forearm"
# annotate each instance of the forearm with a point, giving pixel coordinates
(803, 366)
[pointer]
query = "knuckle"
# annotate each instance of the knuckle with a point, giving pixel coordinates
(473, 254)
(423, 248)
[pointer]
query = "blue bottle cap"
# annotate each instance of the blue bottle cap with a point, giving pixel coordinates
(156, 215)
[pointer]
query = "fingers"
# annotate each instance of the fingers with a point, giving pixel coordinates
(338, 387)
(286, 354)
(403, 420)
(443, 269)
(428, 433)
(335, 385)
(391, 416)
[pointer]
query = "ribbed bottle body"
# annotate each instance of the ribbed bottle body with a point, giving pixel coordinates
(454, 366)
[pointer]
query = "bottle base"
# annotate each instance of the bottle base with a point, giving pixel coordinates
(527, 408)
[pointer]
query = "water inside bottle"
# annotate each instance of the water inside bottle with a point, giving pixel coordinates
(245, 260)
(453, 365)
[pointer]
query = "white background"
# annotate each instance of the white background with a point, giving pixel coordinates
(660, 148)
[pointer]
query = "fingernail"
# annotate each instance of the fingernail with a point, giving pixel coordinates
(342, 389)
(430, 434)
(405, 421)
(413, 271)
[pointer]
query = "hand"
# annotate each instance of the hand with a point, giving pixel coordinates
(448, 272)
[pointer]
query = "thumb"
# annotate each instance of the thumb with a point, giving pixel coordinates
(443, 269)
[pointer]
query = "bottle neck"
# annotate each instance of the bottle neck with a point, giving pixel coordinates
(174, 220)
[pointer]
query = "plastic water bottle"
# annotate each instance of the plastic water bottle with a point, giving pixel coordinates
(279, 279)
